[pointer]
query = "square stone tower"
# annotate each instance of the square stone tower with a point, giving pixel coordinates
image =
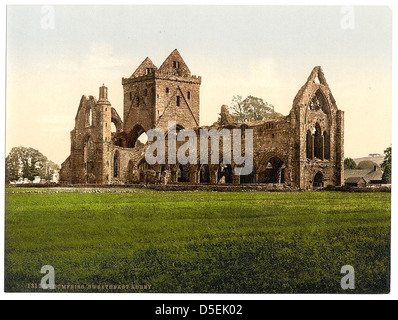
(154, 96)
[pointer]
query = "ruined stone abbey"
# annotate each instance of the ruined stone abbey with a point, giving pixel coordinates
(305, 149)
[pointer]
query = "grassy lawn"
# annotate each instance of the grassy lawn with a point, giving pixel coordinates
(233, 242)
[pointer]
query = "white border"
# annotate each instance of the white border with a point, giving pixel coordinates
(155, 296)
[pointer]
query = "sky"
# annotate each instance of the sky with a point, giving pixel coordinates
(55, 55)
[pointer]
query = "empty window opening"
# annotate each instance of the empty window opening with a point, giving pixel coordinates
(89, 117)
(318, 142)
(183, 173)
(225, 173)
(189, 95)
(116, 165)
(176, 64)
(326, 142)
(178, 101)
(143, 138)
(275, 171)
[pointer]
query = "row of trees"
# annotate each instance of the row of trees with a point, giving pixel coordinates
(28, 163)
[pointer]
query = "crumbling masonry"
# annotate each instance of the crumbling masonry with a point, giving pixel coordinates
(305, 149)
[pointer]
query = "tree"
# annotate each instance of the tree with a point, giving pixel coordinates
(349, 164)
(28, 163)
(252, 109)
(367, 164)
(386, 166)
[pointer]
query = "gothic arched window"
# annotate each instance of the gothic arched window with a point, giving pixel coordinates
(116, 164)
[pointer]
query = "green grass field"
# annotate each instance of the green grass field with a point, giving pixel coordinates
(191, 242)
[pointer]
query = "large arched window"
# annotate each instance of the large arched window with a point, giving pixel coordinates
(318, 142)
(319, 102)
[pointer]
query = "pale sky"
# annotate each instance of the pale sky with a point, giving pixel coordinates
(265, 51)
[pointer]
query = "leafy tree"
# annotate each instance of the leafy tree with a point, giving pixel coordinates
(349, 164)
(386, 166)
(252, 109)
(28, 163)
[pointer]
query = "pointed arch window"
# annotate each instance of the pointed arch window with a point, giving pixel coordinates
(326, 141)
(116, 164)
(318, 142)
(309, 144)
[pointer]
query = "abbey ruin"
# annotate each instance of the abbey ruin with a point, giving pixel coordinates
(305, 149)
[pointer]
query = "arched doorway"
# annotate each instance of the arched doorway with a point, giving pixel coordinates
(275, 171)
(183, 173)
(318, 180)
(251, 178)
(224, 173)
(204, 174)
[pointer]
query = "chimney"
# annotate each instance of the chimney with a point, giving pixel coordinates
(103, 93)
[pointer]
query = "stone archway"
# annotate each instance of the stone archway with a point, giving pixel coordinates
(247, 179)
(204, 174)
(183, 173)
(272, 168)
(225, 174)
(318, 180)
(134, 134)
(275, 170)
